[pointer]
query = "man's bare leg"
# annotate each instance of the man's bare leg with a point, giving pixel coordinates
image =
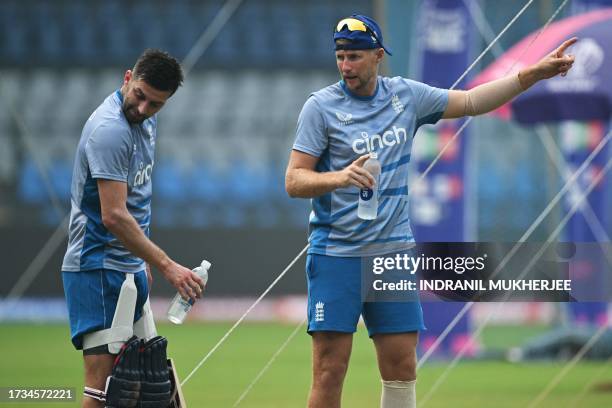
(331, 352)
(97, 368)
(396, 355)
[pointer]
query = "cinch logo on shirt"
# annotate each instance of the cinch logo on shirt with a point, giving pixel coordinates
(368, 143)
(143, 175)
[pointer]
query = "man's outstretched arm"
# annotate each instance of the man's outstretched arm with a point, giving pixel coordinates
(491, 95)
(117, 219)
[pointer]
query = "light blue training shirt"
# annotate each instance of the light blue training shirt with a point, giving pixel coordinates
(112, 149)
(338, 127)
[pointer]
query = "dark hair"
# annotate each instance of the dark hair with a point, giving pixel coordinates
(158, 69)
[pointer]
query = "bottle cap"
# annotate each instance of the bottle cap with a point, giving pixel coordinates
(202, 271)
(373, 155)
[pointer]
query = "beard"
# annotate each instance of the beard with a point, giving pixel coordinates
(131, 114)
(357, 83)
(360, 84)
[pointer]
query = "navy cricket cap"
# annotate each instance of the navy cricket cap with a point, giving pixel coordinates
(362, 32)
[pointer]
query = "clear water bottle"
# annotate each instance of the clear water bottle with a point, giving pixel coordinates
(179, 307)
(368, 197)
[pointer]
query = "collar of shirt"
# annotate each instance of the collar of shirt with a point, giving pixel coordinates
(359, 97)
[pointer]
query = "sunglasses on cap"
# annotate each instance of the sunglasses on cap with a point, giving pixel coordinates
(352, 24)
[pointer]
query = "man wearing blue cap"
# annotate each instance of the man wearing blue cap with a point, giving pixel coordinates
(338, 128)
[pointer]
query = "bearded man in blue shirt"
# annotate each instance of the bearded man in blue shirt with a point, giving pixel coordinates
(338, 127)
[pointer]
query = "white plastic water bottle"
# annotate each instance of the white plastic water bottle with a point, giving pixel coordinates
(368, 197)
(179, 307)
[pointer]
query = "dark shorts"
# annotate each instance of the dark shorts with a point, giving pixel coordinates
(335, 300)
(92, 297)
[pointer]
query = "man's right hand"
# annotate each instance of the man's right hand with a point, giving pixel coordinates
(188, 284)
(356, 175)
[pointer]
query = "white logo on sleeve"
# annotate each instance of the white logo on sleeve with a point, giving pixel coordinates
(345, 118)
(319, 312)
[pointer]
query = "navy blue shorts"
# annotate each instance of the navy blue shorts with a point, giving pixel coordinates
(92, 297)
(336, 300)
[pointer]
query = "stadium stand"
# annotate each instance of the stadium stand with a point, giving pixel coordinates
(225, 136)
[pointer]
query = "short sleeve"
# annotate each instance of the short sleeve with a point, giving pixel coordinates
(311, 135)
(431, 102)
(108, 151)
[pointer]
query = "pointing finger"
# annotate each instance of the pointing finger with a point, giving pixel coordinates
(566, 44)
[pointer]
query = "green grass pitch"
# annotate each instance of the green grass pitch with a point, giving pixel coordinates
(41, 355)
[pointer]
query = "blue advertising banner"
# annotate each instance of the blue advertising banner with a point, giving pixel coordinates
(591, 223)
(588, 224)
(582, 6)
(437, 205)
(438, 201)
